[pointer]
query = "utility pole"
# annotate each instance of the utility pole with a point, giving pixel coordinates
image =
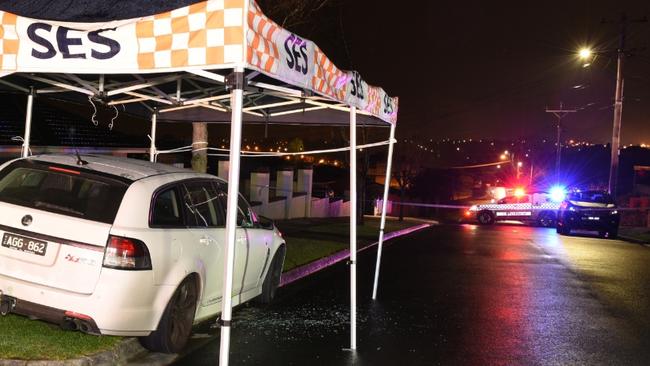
(618, 104)
(559, 113)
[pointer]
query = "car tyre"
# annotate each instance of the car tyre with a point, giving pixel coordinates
(272, 279)
(612, 234)
(546, 219)
(485, 218)
(563, 230)
(175, 326)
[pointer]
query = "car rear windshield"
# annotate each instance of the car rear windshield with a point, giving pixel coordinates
(62, 190)
(591, 196)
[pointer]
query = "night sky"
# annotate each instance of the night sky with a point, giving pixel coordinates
(465, 69)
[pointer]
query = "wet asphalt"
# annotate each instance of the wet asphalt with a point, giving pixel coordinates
(458, 295)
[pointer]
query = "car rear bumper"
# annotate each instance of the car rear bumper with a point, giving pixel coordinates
(124, 303)
(65, 319)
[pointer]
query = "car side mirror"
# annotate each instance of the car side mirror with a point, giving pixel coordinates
(265, 222)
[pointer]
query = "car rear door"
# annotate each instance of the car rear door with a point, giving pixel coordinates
(205, 223)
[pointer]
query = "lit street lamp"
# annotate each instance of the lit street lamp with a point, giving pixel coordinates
(618, 97)
(586, 54)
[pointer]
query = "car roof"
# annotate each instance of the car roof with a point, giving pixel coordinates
(132, 169)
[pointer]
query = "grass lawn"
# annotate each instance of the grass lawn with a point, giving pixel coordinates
(638, 233)
(307, 240)
(25, 339)
(312, 239)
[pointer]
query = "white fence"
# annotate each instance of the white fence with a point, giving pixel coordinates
(295, 207)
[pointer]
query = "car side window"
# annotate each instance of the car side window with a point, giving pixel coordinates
(200, 201)
(248, 216)
(166, 209)
(245, 215)
(508, 199)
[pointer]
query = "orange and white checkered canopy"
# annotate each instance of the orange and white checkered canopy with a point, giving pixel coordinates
(209, 35)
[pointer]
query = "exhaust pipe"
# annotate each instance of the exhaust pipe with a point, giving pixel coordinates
(69, 324)
(81, 325)
(6, 305)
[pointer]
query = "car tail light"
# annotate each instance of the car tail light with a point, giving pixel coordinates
(72, 314)
(126, 253)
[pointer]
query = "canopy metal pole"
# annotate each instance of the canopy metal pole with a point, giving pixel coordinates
(353, 228)
(28, 123)
(382, 225)
(101, 84)
(152, 148)
(236, 102)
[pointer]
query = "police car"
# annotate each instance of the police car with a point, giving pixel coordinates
(534, 208)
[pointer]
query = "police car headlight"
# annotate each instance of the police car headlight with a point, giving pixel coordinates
(473, 208)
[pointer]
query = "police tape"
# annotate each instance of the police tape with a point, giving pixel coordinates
(494, 207)
(433, 205)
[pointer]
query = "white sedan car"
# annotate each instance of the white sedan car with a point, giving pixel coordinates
(125, 247)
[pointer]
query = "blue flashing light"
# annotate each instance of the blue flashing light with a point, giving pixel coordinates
(557, 194)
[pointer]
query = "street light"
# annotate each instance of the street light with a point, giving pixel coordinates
(586, 55)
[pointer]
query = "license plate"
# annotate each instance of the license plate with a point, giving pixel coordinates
(24, 244)
(593, 218)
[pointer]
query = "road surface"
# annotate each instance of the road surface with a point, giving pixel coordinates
(460, 295)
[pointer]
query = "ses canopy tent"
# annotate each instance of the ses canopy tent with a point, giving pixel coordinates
(213, 61)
